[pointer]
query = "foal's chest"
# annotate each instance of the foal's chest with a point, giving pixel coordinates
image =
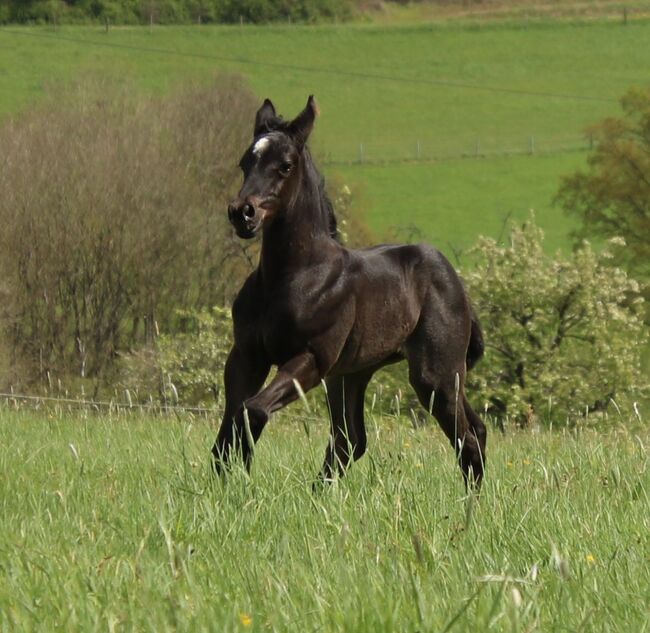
(290, 319)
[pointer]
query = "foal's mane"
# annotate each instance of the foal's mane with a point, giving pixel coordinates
(278, 124)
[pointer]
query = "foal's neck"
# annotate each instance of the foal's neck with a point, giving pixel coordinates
(297, 236)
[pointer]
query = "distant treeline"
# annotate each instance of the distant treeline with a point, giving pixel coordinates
(172, 11)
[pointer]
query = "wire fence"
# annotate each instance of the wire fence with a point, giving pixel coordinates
(391, 151)
(37, 401)
(60, 405)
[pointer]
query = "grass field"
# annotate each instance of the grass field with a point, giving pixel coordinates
(115, 524)
(388, 93)
(452, 202)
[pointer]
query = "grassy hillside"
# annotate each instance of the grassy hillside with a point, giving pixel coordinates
(449, 203)
(440, 90)
(116, 524)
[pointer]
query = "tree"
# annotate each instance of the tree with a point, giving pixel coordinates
(612, 196)
(563, 334)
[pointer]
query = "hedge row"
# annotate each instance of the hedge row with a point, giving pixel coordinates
(172, 11)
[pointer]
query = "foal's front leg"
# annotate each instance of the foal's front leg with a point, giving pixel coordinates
(280, 392)
(244, 375)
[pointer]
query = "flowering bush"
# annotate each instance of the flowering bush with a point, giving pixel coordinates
(193, 362)
(563, 334)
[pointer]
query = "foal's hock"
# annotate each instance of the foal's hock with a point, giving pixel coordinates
(318, 311)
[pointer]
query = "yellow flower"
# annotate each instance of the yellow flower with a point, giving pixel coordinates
(590, 559)
(526, 461)
(245, 619)
(509, 464)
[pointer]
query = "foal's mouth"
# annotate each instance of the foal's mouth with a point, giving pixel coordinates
(247, 231)
(248, 222)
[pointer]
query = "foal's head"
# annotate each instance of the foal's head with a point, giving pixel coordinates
(272, 166)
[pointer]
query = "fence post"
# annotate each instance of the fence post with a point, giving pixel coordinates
(419, 153)
(361, 152)
(531, 146)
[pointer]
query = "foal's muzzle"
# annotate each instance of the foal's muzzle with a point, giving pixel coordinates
(246, 216)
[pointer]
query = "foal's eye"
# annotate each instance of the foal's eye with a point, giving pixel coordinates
(285, 168)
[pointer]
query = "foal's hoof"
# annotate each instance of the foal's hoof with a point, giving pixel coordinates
(219, 463)
(321, 483)
(473, 480)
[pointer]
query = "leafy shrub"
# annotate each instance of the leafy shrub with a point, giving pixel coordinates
(186, 366)
(563, 334)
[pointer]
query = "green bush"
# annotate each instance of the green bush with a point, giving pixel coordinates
(563, 334)
(191, 363)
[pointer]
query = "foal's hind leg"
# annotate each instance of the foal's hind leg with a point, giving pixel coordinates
(438, 380)
(348, 435)
(477, 428)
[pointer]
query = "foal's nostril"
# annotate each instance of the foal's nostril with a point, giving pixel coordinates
(248, 211)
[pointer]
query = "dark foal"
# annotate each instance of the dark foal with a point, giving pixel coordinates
(320, 311)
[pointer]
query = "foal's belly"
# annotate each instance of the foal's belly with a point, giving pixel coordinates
(386, 314)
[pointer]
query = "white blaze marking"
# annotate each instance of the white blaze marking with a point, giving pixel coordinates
(261, 145)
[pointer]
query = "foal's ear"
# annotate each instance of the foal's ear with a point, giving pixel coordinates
(300, 128)
(263, 116)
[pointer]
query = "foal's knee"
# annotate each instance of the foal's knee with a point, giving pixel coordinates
(254, 416)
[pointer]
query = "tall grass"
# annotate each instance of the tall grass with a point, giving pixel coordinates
(115, 523)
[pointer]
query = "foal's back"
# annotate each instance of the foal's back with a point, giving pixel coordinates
(394, 288)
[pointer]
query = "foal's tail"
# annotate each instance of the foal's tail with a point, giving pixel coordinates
(476, 347)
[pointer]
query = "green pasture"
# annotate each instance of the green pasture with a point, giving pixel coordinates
(114, 523)
(450, 203)
(389, 95)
